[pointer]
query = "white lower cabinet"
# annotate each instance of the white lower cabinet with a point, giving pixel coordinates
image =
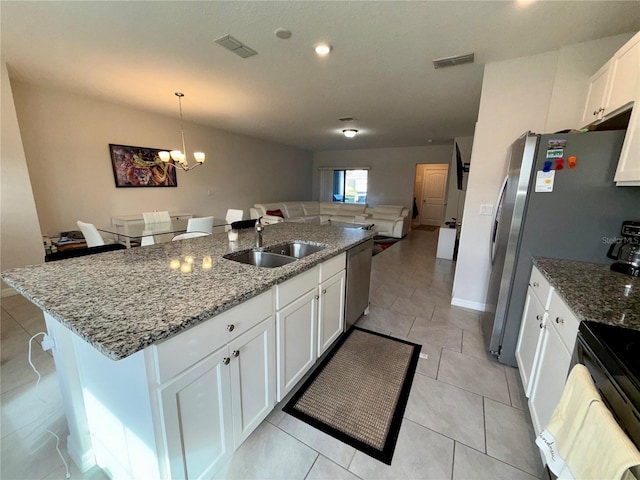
(198, 418)
(331, 311)
(554, 360)
(296, 340)
(209, 410)
(529, 341)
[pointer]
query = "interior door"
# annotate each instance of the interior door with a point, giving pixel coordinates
(434, 191)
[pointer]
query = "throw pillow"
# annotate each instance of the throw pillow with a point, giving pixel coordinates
(275, 213)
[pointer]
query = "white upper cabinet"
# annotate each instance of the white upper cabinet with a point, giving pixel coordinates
(594, 108)
(623, 82)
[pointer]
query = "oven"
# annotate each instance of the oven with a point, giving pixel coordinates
(612, 356)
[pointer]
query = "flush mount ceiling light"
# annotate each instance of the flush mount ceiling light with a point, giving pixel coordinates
(350, 132)
(323, 49)
(283, 33)
(181, 156)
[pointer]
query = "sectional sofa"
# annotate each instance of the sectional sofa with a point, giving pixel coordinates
(389, 220)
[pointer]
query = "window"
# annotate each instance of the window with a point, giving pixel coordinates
(344, 185)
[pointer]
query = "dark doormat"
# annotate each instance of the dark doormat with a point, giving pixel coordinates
(358, 394)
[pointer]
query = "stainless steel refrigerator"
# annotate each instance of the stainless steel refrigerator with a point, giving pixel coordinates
(558, 200)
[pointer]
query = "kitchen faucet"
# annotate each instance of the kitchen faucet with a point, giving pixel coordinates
(259, 230)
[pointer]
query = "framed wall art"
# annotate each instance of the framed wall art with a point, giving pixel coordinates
(141, 167)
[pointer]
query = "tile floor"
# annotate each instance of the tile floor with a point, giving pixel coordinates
(466, 417)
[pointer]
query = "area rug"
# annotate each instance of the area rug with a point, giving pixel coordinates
(358, 394)
(381, 243)
(428, 228)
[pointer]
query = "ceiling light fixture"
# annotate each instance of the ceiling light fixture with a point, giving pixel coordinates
(181, 156)
(350, 132)
(323, 49)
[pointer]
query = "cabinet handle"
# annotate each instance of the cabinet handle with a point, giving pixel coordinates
(595, 113)
(226, 360)
(538, 317)
(236, 353)
(324, 292)
(317, 297)
(536, 284)
(541, 325)
(230, 327)
(559, 320)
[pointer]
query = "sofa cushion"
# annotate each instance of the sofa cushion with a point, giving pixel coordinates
(395, 210)
(352, 208)
(293, 209)
(328, 208)
(275, 213)
(311, 208)
(385, 216)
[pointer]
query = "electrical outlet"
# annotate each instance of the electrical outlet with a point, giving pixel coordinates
(486, 209)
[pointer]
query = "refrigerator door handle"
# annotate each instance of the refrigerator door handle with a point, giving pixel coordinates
(494, 220)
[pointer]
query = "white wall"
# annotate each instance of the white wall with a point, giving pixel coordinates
(66, 142)
(530, 93)
(392, 175)
(20, 238)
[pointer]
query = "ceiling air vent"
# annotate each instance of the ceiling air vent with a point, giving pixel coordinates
(453, 61)
(236, 46)
(347, 119)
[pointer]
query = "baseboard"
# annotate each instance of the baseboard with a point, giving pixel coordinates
(460, 302)
(83, 460)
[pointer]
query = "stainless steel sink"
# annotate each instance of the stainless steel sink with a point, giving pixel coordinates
(261, 259)
(295, 249)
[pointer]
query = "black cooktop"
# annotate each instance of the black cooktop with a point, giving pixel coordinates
(622, 344)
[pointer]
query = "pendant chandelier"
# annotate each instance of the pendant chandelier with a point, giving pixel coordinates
(180, 157)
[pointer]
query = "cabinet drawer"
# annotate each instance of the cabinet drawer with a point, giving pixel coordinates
(564, 321)
(185, 349)
(329, 268)
(541, 287)
(288, 291)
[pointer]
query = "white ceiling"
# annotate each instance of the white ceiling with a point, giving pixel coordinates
(380, 70)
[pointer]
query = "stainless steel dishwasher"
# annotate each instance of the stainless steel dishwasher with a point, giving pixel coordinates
(358, 279)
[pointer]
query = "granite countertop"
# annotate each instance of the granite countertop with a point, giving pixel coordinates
(594, 292)
(123, 301)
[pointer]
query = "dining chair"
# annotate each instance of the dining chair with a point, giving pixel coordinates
(200, 224)
(156, 217)
(91, 234)
(183, 236)
(147, 239)
(233, 215)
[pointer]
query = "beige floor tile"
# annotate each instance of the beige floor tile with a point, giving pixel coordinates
(382, 298)
(415, 307)
(269, 453)
(15, 364)
(484, 377)
(516, 391)
(471, 464)
(448, 410)
(325, 469)
(383, 320)
(510, 437)
(459, 317)
(420, 453)
(333, 449)
(438, 335)
(395, 289)
(429, 366)
(473, 345)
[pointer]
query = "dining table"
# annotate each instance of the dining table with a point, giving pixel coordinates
(130, 234)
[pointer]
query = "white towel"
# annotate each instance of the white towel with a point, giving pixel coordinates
(601, 449)
(557, 439)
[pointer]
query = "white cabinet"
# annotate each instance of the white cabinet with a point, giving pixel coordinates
(560, 329)
(331, 311)
(212, 407)
(531, 327)
(594, 107)
(309, 318)
(529, 340)
(196, 442)
(623, 83)
(296, 340)
(628, 170)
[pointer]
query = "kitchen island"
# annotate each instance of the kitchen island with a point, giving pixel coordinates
(168, 356)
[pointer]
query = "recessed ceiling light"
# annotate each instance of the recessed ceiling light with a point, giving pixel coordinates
(350, 132)
(323, 49)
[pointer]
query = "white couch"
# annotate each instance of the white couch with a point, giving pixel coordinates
(389, 220)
